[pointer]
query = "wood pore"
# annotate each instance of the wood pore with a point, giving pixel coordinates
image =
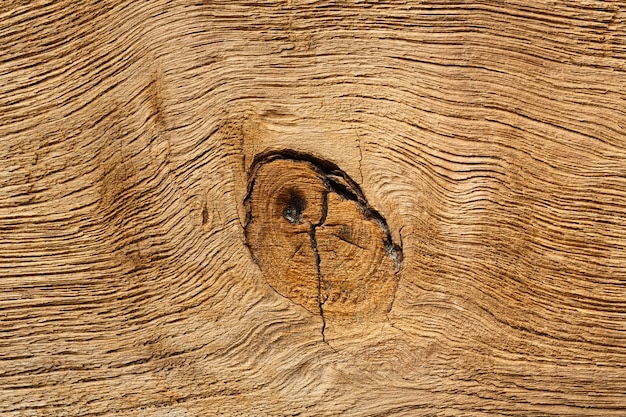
(489, 136)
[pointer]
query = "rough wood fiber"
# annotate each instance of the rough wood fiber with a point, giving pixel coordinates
(489, 135)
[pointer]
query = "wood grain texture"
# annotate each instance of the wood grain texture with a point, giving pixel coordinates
(491, 136)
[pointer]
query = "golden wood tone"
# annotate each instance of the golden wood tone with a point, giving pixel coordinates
(320, 208)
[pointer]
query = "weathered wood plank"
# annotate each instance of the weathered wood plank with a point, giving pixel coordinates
(489, 136)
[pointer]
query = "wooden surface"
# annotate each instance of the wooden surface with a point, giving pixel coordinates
(489, 135)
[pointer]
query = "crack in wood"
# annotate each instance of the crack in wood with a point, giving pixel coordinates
(319, 279)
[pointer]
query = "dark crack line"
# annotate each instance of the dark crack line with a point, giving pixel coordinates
(296, 252)
(318, 262)
(338, 236)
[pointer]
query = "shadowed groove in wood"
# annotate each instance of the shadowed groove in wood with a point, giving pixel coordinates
(490, 134)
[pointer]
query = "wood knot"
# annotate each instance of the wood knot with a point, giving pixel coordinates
(317, 240)
(294, 208)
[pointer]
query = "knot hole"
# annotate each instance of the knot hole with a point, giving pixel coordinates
(294, 207)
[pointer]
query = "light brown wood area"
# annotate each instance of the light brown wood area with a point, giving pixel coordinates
(490, 136)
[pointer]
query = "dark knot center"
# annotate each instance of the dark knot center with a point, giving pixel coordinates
(294, 208)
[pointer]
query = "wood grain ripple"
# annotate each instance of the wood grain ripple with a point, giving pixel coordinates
(490, 136)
